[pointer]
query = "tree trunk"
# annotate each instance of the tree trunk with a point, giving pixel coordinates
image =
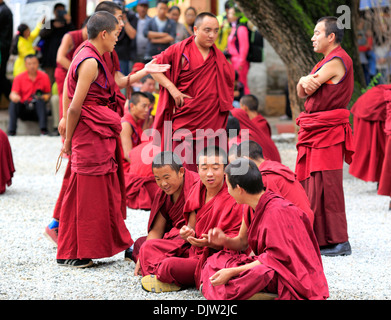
(288, 27)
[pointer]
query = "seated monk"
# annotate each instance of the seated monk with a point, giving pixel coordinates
(276, 177)
(140, 184)
(174, 266)
(138, 107)
(166, 217)
(369, 116)
(385, 177)
(286, 260)
(270, 150)
(7, 168)
(250, 103)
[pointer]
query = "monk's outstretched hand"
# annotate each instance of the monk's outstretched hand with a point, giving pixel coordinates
(153, 67)
(202, 242)
(186, 232)
(216, 237)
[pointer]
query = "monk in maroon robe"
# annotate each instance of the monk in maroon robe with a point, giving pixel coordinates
(92, 215)
(69, 43)
(7, 168)
(325, 137)
(259, 136)
(276, 177)
(250, 104)
(369, 116)
(132, 121)
(385, 178)
(178, 264)
(112, 63)
(166, 217)
(195, 94)
(286, 260)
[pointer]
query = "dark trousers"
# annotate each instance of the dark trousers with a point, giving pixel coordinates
(5, 84)
(20, 110)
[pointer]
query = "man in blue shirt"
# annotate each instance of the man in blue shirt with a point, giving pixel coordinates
(160, 31)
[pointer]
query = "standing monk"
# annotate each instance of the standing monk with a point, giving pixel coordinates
(112, 62)
(325, 136)
(93, 225)
(196, 93)
(385, 177)
(369, 116)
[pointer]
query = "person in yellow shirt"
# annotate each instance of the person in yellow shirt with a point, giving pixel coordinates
(225, 28)
(26, 38)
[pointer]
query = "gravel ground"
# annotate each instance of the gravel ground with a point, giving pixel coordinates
(29, 270)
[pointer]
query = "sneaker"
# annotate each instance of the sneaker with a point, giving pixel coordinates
(76, 263)
(128, 255)
(51, 234)
(152, 284)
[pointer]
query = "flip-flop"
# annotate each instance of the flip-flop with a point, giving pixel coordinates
(152, 284)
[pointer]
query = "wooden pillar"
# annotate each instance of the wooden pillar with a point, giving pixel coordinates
(78, 12)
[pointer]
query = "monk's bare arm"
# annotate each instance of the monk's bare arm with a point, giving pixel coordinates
(87, 74)
(307, 85)
(126, 139)
(150, 68)
(65, 104)
(65, 46)
(333, 71)
(158, 227)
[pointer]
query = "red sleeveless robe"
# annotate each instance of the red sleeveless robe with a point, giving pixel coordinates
(92, 214)
(324, 141)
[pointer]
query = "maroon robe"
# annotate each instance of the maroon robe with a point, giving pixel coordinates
(92, 214)
(324, 141)
(369, 113)
(136, 136)
(261, 123)
(385, 178)
(112, 63)
(7, 168)
(60, 72)
(281, 180)
(140, 184)
(282, 239)
(181, 263)
(261, 137)
(210, 83)
(172, 212)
